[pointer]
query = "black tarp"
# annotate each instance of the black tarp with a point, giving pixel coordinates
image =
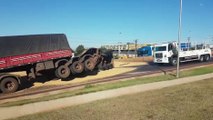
(28, 44)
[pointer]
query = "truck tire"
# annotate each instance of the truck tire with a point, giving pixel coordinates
(105, 66)
(100, 66)
(207, 58)
(173, 61)
(89, 64)
(77, 67)
(110, 66)
(202, 58)
(62, 72)
(9, 85)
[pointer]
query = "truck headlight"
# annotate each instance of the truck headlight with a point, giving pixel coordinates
(165, 56)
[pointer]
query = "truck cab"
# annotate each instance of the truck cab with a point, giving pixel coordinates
(164, 52)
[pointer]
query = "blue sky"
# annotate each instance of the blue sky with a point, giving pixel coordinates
(99, 22)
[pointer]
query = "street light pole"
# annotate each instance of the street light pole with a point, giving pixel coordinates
(179, 37)
(136, 47)
(119, 49)
(188, 43)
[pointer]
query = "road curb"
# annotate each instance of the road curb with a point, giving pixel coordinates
(17, 111)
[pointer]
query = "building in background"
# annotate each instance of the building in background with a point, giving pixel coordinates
(124, 50)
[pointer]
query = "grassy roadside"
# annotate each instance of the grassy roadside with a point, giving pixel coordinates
(191, 101)
(107, 86)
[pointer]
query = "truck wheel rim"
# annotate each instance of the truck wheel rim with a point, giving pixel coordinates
(174, 61)
(207, 58)
(78, 67)
(201, 59)
(63, 71)
(9, 85)
(89, 64)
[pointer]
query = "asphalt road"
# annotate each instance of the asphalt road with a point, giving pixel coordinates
(151, 67)
(143, 70)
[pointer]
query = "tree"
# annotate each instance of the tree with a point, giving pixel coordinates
(103, 49)
(79, 49)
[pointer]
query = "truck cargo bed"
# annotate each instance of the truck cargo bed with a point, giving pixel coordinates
(27, 49)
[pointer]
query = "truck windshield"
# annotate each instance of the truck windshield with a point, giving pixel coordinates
(160, 48)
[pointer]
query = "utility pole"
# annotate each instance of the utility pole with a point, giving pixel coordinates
(119, 46)
(136, 46)
(128, 49)
(179, 37)
(188, 42)
(119, 49)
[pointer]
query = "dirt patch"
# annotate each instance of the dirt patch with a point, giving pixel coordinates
(138, 59)
(119, 68)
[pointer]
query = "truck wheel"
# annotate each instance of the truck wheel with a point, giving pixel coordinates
(100, 66)
(62, 72)
(105, 66)
(9, 85)
(110, 66)
(77, 67)
(173, 61)
(89, 64)
(201, 58)
(207, 58)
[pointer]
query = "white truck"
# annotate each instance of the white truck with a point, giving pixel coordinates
(168, 52)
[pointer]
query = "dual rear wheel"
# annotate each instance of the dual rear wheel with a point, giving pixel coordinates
(207, 58)
(62, 72)
(89, 64)
(204, 58)
(76, 68)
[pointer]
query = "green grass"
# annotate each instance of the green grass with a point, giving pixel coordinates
(192, 101)
(197, 71)
(107, 86)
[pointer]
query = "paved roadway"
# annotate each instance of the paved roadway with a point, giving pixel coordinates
(148, 69)
(151, 67)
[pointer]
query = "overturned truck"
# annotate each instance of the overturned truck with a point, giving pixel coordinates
(41, 54)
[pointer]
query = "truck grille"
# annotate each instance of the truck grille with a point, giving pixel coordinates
(158, 55)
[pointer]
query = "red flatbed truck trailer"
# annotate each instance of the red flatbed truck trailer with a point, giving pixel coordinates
(33, 54)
